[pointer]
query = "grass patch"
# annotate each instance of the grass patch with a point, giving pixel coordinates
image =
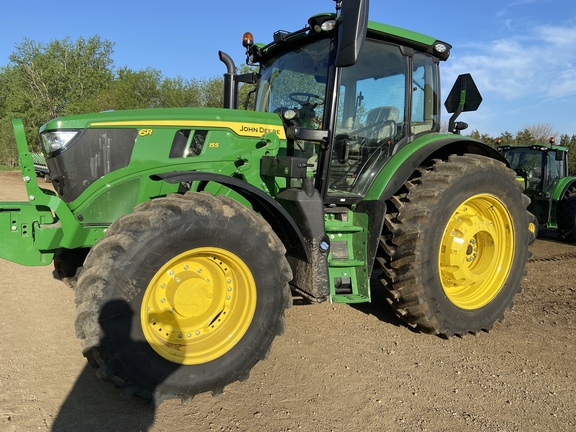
(7, 168)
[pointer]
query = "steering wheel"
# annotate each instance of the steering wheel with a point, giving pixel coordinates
(305, 98)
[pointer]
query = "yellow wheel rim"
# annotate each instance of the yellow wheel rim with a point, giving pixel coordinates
(476, 251)
(198, 306)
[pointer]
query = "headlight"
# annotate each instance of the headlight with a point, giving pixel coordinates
(440, 48)
(328, 25)
(289, 114)
(56, 140)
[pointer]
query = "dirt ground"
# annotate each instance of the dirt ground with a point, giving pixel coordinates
(337, 367)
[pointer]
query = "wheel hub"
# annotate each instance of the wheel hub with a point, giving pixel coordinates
(476, 251)
(198, 305)
(192, 298)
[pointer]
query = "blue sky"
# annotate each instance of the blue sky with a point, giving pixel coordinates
(521, 53)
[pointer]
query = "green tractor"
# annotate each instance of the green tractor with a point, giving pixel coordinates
(542, 170)
(186, 232)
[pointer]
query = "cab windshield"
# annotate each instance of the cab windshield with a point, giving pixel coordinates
(296, 80)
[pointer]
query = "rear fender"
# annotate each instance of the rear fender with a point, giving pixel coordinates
(564, 186)
(403, 164)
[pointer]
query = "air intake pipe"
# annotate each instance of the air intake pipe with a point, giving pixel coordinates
(230, 82)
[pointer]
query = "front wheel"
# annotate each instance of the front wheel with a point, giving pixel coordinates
(183, 296)
(455, 245)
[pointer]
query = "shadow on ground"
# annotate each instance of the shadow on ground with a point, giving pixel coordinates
(92, 405)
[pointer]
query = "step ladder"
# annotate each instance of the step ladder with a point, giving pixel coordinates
(349, 278)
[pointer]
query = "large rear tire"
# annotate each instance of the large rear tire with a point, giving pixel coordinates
(566, 217)
(183, 296)
(455, 245)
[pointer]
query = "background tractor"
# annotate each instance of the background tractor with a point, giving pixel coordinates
(542, 169)
(185, 232)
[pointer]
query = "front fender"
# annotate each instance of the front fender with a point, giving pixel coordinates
(278, 218)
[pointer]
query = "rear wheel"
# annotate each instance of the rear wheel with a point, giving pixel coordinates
(455, 245)
(566, 217)
(183, 296)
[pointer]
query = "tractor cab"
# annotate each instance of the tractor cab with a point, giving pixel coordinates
(346, 134)
(539, 168)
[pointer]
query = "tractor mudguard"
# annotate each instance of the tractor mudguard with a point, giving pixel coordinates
(401, 166)
(563, 185)
(562, 188)
(278, 218)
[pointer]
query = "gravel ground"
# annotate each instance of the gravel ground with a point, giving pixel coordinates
(337, 367)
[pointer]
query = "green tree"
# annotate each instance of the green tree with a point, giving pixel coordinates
(475, 134)
(247, 92)
(213, 93)
(149, 89)
(8, 152)
(507, 138)
(177, 92)
(60, 78)
(488, 139)
(131, 90)
(524, 137)
(44, 81)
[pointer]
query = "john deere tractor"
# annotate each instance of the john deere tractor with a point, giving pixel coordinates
(186, 232)
(542, 169)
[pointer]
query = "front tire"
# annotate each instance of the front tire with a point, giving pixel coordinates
(455, 245)
(183, 296)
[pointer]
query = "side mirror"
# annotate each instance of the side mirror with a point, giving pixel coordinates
(464, 96)
(352, 28)
(465, 93)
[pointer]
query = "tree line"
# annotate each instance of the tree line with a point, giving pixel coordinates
(66, 77)
(43, 81)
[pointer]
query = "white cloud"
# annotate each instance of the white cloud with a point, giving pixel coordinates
(526, 78)
(564, 85)
(537, 64)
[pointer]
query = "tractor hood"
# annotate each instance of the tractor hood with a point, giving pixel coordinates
(243, 123)
(81, 150)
